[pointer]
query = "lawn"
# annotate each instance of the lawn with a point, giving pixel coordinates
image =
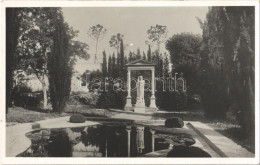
(21, 115)
(227, 127)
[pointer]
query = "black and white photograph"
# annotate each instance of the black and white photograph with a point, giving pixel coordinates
(132, 80)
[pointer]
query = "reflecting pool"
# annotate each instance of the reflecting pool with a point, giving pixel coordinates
(102, 141)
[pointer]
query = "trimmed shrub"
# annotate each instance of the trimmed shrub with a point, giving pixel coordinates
(77, 118)
(174, 122)
(183, 151)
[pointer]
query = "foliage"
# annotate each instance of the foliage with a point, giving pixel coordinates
(97, 33)
(88, 111)
(157, 34)
(112, 99)
(115, 41)
(59, 66)
(227, 62)
(34, 42)
(149, 53)
(89, 98)
(184, 52)
(104, 64)
(12, 34)
(24, 97)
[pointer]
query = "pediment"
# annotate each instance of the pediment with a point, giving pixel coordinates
(140, 63)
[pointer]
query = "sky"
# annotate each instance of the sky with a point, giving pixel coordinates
(133, 23)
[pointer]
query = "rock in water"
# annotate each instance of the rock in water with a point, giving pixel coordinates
(77, 118)
(174, 122)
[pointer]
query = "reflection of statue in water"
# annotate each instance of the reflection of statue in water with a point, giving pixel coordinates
(140, 104)
(140, 138)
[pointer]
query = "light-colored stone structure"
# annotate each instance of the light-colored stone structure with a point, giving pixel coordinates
(140, 65)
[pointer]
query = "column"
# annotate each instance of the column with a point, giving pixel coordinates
(128, 104)
(152, 132)
(128, 129)
(152, 99)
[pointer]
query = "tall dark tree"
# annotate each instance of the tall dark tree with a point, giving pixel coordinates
(122, 55)
(12, 34)
(104, 64)
(144, 56)
(113, 66)
(166, 66)
(122, 60)
(130, 57)
(60, 69)
(138, 54)
(227, 62)
(184, 49)
(109, 67)
(149, 53)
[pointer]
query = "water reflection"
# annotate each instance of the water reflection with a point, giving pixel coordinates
(101, 141)
(140, 139)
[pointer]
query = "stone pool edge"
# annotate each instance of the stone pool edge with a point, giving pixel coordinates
(15, 135)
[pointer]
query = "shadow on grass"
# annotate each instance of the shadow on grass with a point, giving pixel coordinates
(240, 137)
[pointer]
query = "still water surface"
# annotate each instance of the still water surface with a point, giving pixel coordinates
(102, 141)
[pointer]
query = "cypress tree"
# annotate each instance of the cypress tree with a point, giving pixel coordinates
(12, 31)
(149, 53)
(144, 56)
(60, 70)
(138, 54)
(104, 64)
(130, 58)
(122, 55)
(109, 71)
(113, 68)
(166, 67)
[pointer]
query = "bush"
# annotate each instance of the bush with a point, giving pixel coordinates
(23, 96)
(174, 122)
(89, 98)
(112, 100)
(77, 118)
(183, 151)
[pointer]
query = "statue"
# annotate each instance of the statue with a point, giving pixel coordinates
(140, 103)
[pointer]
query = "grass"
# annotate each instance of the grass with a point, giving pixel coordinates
(227, 127)
(236, 133)
(21, 115)
(88, 111)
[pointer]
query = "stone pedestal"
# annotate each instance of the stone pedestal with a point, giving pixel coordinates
(128, 105)
(152, 103)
